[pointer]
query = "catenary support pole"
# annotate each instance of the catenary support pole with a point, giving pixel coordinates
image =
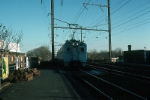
(81, 34)
(109, 30)
(52, 27)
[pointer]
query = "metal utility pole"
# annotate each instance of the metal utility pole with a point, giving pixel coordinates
(109, 23)
(109, 29)
(81, 34)
(52, 27)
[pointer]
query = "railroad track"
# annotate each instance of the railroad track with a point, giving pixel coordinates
(81, 91)
(139, 73)
(113, 84)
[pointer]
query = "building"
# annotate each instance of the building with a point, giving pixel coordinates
(12, 51)
(136, 56)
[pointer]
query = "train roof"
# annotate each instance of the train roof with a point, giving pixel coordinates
(73, 40)
(69, 42)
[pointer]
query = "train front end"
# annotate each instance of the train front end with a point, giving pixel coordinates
(79, 54)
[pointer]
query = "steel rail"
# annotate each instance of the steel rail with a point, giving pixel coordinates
(128, 73)
(120, 75)
(125, 73)
(115, 85)
(123, 67)
(98, 89)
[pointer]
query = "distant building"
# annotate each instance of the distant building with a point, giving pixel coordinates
(13, 47)
(12, 57)
(136, 56)
(12, 51)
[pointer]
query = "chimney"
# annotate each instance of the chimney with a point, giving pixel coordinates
(129, 47)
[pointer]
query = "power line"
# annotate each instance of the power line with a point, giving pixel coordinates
(79, 13)
(131, 10)
(132, 27)
(143, 23)
(45, 16)
(112, 13)
(121, 6)
(76, 18)
(132, 19)
(93, 17)
(134, 24)
(126, 29)
(123, 21)
(120, 1)
(105, 18)
(61, 21)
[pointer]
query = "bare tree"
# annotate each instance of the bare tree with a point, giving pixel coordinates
(92, 55)
(10, 40)
(9, 36)
(117, 52)
(42, 52)
(103, 54)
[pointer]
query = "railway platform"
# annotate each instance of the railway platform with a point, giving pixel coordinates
(50, 85)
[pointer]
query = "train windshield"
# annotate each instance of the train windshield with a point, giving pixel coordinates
(82, 49)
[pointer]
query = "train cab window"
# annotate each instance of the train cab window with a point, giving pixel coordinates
(82, 49)
(68, 49)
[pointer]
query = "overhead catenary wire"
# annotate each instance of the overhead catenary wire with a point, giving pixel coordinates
(60, 15)
(126, 29)
(45, 16)
(136, 17)
(66, 33)
(111, 14)
(132, 19)
(137, 23)
(103, 17)
(98, 24)
(121, 7)
(116, 4)
(131, 10)
(143, 23)
(71, 22)
(79, 13)
(92, 27)
(119, 25)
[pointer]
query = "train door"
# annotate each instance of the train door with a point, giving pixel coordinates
(82, 54)
(68, 54)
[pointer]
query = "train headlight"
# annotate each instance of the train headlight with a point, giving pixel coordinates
(72, 43)
(77, 43)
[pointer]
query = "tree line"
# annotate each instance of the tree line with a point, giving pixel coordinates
(45, 54)
(103, 54)
(42, 52)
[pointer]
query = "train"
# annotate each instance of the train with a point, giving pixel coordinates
(73, 53)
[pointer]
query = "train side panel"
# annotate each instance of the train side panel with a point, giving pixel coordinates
(67, 54)
(60, 54)
(82, 54)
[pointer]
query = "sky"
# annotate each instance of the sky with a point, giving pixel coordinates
(130, 22)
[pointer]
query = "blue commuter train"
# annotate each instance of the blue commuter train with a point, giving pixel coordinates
(73, 53)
